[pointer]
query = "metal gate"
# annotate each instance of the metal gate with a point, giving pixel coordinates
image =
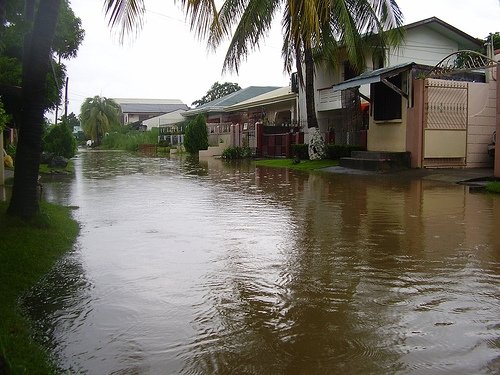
(445, 123)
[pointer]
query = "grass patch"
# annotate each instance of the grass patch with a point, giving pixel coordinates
(68, 170)
(493, 187)
(304, 165)
(28, 250)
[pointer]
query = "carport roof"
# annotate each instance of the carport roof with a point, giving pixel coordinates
(373, 76)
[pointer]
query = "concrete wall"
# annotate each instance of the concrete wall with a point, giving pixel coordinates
(482, 109)
(390, 135)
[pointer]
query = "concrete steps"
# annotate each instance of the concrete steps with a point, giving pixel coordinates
(377, 161)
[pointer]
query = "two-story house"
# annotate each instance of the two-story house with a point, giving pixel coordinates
(389, 109)
(138, 110)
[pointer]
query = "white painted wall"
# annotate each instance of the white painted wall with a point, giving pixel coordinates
(422, 46)
(481, 123)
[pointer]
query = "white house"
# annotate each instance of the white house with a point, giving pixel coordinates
(436, 117)
(136, 110)
(426, 42)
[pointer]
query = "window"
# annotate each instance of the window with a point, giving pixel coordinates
(349, 71)
(386, 101)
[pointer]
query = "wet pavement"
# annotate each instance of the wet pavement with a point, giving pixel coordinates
(475, 176)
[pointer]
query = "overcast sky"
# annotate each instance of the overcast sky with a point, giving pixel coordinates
(167, 61)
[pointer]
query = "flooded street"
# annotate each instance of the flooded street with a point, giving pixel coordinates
(186, 267)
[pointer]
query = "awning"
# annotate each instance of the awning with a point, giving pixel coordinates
(378, 75)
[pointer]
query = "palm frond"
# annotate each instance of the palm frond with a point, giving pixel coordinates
(127, 15)
(255, 23)
(203, 15)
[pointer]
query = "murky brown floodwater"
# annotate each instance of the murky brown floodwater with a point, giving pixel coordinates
(204, 268)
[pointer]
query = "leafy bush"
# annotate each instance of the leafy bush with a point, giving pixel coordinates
(60, 141)
(336, 152)
(300, 151)
(236, 152)
(4, 117)
(196, 135)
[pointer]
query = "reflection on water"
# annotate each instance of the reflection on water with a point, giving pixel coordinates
(198, 267)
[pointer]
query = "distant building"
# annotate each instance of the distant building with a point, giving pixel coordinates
(138, 110)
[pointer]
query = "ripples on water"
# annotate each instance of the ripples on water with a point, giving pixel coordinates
(202, 267)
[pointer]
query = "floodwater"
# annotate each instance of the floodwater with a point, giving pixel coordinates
(187, 267)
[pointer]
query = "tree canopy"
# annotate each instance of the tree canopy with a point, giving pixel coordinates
(67, 38)
(71, 120)
(218, 90)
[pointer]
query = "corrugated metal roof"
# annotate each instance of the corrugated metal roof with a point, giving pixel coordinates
(151, 108)
(373, 76)
(231, 99)
(165, 119)
(275, 96)
(146, 101)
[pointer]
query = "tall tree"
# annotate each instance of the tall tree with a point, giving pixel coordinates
(99, 115)
(36, 57)
(217, 91)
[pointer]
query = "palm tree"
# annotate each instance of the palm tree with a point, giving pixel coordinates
(312, 30)
(99, 115)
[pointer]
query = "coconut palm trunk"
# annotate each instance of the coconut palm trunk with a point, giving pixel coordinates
(24, 201)
(312, 120)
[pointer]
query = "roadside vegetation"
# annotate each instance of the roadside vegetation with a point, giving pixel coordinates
(28, 250)
(303, 165)
(68, 170)
(493, 187)
(196, 135)
(128, 139)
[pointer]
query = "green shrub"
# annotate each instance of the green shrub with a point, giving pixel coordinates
(196, 135)
(236, 152)
(301, 151)
(336, 152)
(4, 117)
(60, 141)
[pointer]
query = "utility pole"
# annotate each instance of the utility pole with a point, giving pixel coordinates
(66, 99)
